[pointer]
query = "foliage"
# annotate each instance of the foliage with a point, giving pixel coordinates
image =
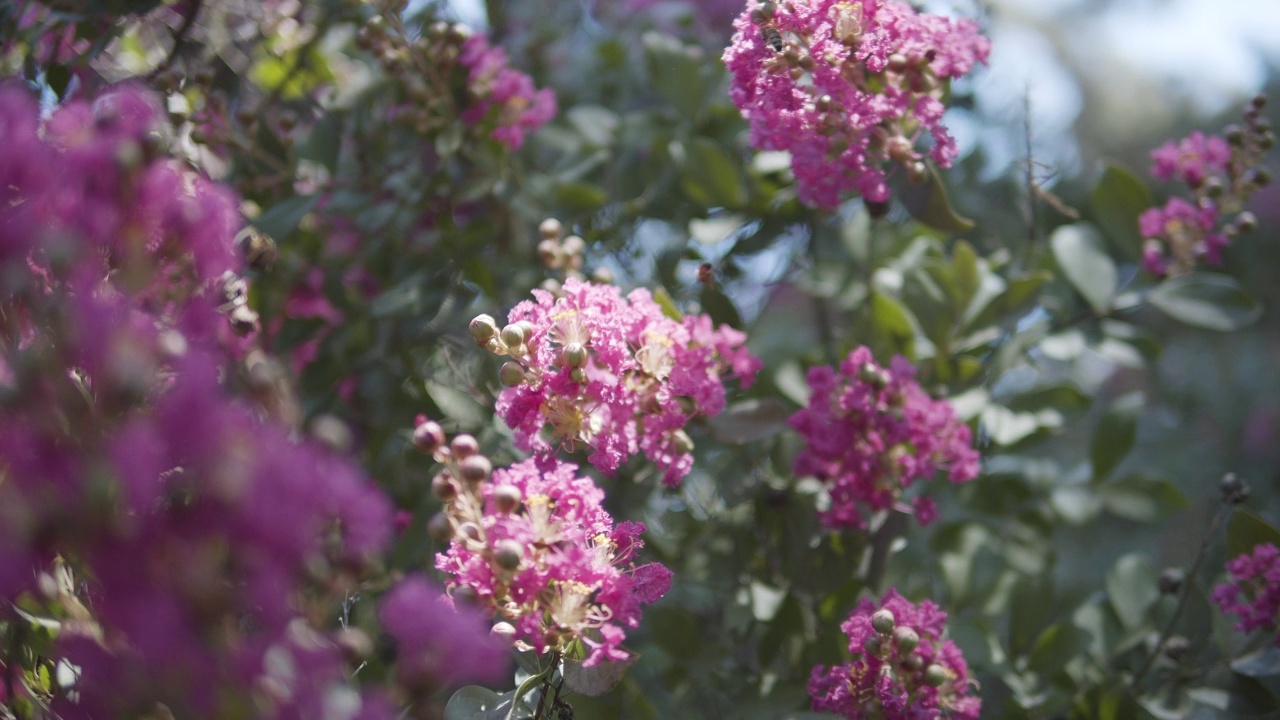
(251, 255)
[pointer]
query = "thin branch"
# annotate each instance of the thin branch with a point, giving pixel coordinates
(820, 308)
(179, 38)
(1223, 512)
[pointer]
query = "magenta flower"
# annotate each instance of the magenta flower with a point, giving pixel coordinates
(1220, 173)
(901, 669)
(615, 374)
(871, 433)
(437, 642)
(848, 88)
(535, 548)
(502, 94)
(1253, 593)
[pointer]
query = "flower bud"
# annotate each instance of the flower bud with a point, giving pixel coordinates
(464, 595)
(1259, 101)
(526, 330)
(550, 229)
(574, 245)
(1176, 647)
(354, 643)
(578, 375)
(463, 446)
(444, 487)
(507, 554)
(602, 276)
(506, 498)
(874, 646)
(681, 443)
(1246, 221)
(913, 662)
(1234, 490)
(549, 253)
(1259, 176)
(574, 355)
(908, 640)
(882, 621)
(897, 62)
(439, 529)
(504, 630)
(470, 531)
(1171, 580)
(1234, 135)
(512, 336)
(511, 374)
(428, 436)
(935, 675)
(482, 328)
(917, 173)
(475, 468)
(899, 148)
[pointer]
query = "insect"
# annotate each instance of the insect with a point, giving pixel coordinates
(763, 17)
(706, 273)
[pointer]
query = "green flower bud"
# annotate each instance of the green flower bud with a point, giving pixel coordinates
(573, 245)
(882, 621)
(470, 531)
(444, 487)
(681, 443)
(428, 437)
(574, 355)
(507, 554)
(512, 336)
(578, 375)
(550, 229)
(935, 675)
(874, 646)
(506, 498)
(511, 374)
(475, 469)
(482, 328)
(908, 640)
(464, 446)
(439, 529)
(526, 330)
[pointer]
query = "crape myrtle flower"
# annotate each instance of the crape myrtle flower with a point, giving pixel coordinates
(901, 669)
(436, 641)
(502, 93)
(849, 88)
(593, 368)
(531, 545)
(1253, 593)
(871, 433)
(1220, 173)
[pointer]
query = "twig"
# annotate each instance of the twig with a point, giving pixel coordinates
(1224, 510)
(546, 683)
(820, 308)
(179, 37)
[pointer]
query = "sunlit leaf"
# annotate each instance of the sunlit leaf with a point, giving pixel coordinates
(1206, 300)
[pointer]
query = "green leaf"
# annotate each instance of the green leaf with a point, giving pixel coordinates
(1030, 610)
(1057, 646)
(471, 703)
(1246, 531)
(930, 205)
(1084, 261)
(678, 72)
(967, 273)
(1118, 199)
(280, 220)
(766, 600)
(324, 142)
(667, 303)
(711, 178)
(719, 307)
(1131, 588)
(457, 405)
(1206, 300)
(893, 321)
(1263, 663)
(1142, 499)
(598, 679)
(750, 421)
(581, 196)
(1114, 436)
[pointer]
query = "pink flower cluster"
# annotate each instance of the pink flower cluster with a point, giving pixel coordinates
(1220, 173)
(1253, 594)
(847, 88)
(612, 373)
(870, 433)
(437, 642)
(498, 91)
(532, 545)
(901, 669)
(182, 541)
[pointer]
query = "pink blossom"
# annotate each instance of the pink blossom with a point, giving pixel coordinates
(1253, 593)
(871, 433)
(503, 94)
(1192, 159)
(437, 642)
(640, 375)
(535, 548)
(847, 88)
(901, 670)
